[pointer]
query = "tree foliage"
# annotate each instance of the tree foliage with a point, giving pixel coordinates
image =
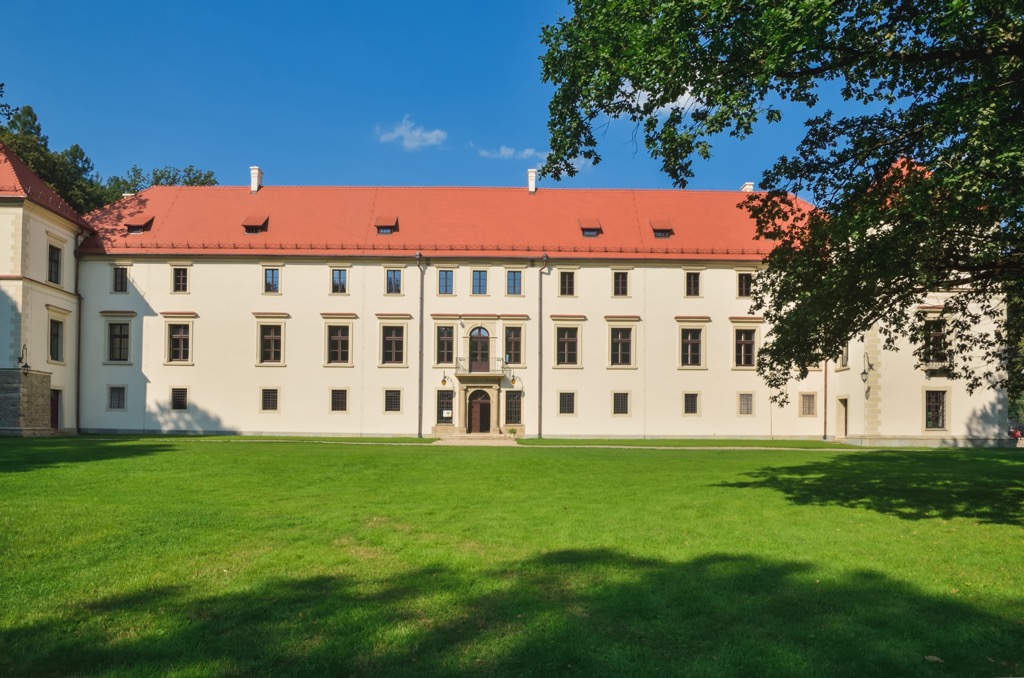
(920, 189)
(72, 174)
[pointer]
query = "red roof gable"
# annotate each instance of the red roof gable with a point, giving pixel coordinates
(18, 181)
(436, 222)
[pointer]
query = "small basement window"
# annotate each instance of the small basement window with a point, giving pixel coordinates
(386, 225)
(662, 228)
(255, 224)
(591, 228)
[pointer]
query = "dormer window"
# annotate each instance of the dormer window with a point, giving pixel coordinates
(590, 228)
(386, 225)
(138, 225)
(255, 224)
(662, 228)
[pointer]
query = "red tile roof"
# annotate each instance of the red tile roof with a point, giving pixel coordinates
(437, 222)
(18, 181)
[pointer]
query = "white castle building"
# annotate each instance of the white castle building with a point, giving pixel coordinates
(352, 311)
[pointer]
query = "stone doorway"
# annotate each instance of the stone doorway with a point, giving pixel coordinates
(479, 412)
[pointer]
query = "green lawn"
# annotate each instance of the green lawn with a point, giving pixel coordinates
(200, 557)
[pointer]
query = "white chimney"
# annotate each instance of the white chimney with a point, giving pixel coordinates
(531, 180)
(747, 187)
(255, 178)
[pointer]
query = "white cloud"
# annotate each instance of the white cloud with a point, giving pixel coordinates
(413, 137)
(509, 153)
(639, 97)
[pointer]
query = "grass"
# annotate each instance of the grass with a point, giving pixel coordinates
(684, 442)
(190, 557)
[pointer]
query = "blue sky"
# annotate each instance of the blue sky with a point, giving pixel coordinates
(320, 93)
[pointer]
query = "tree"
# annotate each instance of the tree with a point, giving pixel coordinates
(921, 189)
(136, 180)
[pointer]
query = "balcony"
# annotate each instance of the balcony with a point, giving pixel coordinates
(473, 367)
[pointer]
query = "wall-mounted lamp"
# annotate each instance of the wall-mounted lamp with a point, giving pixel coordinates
(867, 368)
(444, 379)
(23, 360)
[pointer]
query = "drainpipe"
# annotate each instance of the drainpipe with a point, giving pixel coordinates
(824, 405)
(540, 346)
(78, 338)
(419, 406)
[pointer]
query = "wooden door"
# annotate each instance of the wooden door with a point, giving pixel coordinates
(479, 412)
(479, 350)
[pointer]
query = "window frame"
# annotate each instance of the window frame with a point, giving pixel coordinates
(396, 393)
(440, 409)
(448, 285)
(267, 392)
(692, 291)
(570, 398)
(343, 272)
(401, 341)
(439, 359)
(617, 398)
(577, 345)
(697, 399)
(740, 361)
(739, 404)
(261, 356)
(615, 344)
(802, 399)
(513, 358)
(479, 282)
(700, 343)
(189, 346)
(566, 282)
(744, 283)
(53, 356)
(518, 399)
(55, 263)
(945, 411)
(274, 271)
(393, 282)
(171, 400)
(331, 400)
(180, 278)
(343, 360)
(118, 279)
(125, 341)
(124, 397)
(517, 275)
(620, 284)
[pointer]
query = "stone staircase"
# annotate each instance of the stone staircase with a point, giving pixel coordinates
(477, 439)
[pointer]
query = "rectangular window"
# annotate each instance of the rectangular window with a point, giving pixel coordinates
(445, 345)
(338, 344)
(567, 283)
(691, 403)
(446, 282)
(178, 348)
(744, 283)
(392, 400)
(622, 346)
(746, 404)
(339, 400)
(271, 343)
(393, 344)
(808, 405)
(513, 407)
(56, 340)
(844, 358)
(745, 348)
(566, 347)
(620, 283)
(445, 406)
(620, 403)
(514, 283)
(479, 282)
(53, 264)
(690, 341)
(394, 281)
(117, 342)
(566, 403)
(513, 345)
(268, 399)
(935, 410)
(935, 347)
(179, 280)
(120, 279)
(271, 281)
(116, 397)
(339, 281)
(693, 283)
(179, 398)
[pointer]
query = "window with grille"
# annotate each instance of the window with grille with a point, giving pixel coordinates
(271, 343)
(116, 397)
(513, 345)
(746, 404)
(445, 407)
(745, 348)
(622, 346)
(339, 400)
(691, 403)
(935, 345)
(620, 403)
(445, 345)
(338, 344)
(479, 282)
(117, 342)
(179, 398)
(744, 284)
(394, 281)
(392, 400)
(808, 405)
(271, 281)
(690, 341)
(268, 399)
(620, 283)
(392, 344)
(179, 277)
(513, 407)
(566, 345)
(178, 348)
(120, 279)
(514, 283)
(935, 410)
(339, 281)
(566, 403)
(445, 282)
(567, 283)
(693, 283)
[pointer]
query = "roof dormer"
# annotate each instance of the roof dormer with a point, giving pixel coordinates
(590, 227)
(386, 225)
(256, 224)
(138, 224)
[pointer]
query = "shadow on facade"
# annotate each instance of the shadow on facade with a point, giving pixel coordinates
(988, 425)
(592, 612)
(194, 420)
(982, 485)
(30, 454)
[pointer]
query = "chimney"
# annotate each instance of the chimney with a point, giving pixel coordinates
(531, 180)
(747, 187)
(255, 178)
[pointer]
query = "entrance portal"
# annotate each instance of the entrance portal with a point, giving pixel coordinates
(479, 412)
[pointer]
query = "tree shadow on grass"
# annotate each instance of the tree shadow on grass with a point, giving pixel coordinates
(982, 485)
(591, 612)
(18, 455)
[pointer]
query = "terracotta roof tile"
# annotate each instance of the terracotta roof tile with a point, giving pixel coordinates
(18, 181)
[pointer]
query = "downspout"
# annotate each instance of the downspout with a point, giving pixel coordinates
(78, 339)
(824, 405)
(540, 346)
(419, 406)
